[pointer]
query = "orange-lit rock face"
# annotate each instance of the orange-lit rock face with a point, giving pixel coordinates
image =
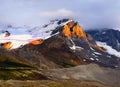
(66, 31)
(7, 45)
(72, 30)
(99, 48)
(70, 24)
(36, 42)
(78, 31)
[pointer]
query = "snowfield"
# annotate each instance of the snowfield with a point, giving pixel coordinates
(23, 35)
(108, 48)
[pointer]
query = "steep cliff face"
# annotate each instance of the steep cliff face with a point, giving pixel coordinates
(73, 29)
(66, 31)
(78, 31)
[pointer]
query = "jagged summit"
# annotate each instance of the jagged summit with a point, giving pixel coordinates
(18, 36)
(72, 29)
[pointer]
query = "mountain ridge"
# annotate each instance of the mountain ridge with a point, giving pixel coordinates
(74, 47)
(108, 38)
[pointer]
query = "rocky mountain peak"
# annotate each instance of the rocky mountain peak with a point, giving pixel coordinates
(73, 29)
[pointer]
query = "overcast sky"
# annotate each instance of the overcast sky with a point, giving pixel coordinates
(89, 13)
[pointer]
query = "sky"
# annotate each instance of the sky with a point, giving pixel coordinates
(89, 13)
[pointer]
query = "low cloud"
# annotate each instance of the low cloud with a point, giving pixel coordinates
(57, 14)
(89, 13)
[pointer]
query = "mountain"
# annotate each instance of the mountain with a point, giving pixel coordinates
(107, 38)
(61, 43)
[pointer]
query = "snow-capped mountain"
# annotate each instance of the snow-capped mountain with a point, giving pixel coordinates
(46, 31)
(64, 44)
(108, 48)
(19, 36)
(107, 38)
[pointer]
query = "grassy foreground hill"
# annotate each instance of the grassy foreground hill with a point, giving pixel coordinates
(14, 73)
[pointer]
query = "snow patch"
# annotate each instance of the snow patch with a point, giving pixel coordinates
(118, 43)
(93, 54)
(92, 48)
(45, 32)
(92, 58)
(117, 28)
(108, 56)
(103, 32)
(97, 53)
(108, 48)
(84, 60)
(23, 35)
(97, 59)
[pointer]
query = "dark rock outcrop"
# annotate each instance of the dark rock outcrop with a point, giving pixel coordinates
(110, 36)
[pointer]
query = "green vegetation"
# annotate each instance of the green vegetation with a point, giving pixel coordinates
(7, 74)
(11, 62)
(11, 68)
(68, 63)
(19, 74)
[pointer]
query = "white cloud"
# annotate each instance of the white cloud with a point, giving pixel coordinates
(89, 13)
(59, 13)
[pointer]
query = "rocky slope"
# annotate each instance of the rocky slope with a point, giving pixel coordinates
(109, 38)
